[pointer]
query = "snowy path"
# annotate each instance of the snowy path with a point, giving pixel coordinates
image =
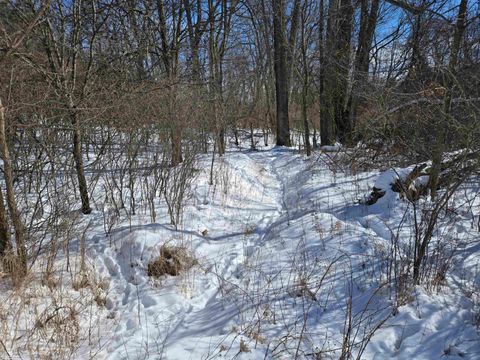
(209, 319)
(284, 247)
(151, 319)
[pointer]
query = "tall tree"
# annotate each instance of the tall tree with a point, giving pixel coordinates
(327, 121)
(440, 126)
(11, 202)
(220, 15)
(195, 27)
(10, 42)
(307, 34)
(341, 67)
(281, 73)
(336, 64)
(69, 51)
(368, 24)
(170, 49)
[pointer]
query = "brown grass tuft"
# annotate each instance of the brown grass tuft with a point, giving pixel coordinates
(173, 260)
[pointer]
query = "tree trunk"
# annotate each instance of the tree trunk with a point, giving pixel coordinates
(308, 147)
(221, 140)
(341, 69)
(11, 202)
(281, 74)
(4, 229)
(169, 54)
(368, 24)
(176, 139)
(80, 169)
(305, 88)
(194, 35)
(292, 39)
(327, 120)
(140, 53)
(441, 125)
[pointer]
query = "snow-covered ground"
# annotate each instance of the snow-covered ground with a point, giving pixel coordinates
(290, 264)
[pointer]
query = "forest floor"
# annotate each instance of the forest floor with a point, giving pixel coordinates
(288, 264)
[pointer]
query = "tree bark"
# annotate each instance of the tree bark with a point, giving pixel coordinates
(4, 229)
(305, 88)
(368, 23)
(281, 74)
(218, 39)
(169, 54)
(79, 166)
(11, 202)
(292, 39)
(214, 63)
(308, 147)
(341, 69)
(327, 125)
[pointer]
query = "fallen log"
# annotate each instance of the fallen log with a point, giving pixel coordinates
(413, 185)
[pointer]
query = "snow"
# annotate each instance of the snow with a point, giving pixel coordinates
(283, 249)
(331, 148)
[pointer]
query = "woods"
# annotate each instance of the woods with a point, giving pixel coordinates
(339, 61)
(120, 115)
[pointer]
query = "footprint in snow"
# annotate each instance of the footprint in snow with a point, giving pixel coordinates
(148, 301)
(132, 324)
(112, 266)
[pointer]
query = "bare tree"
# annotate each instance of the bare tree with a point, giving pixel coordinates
(368, 24)
(441, 126)
(170, 50)
(10, 43)
(219, 33)
(336, 66)
(70, 70)
(283, 54)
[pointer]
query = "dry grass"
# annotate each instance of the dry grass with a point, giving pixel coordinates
(51, 315)
(244, 347)
(172, 260)
(249, 230)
